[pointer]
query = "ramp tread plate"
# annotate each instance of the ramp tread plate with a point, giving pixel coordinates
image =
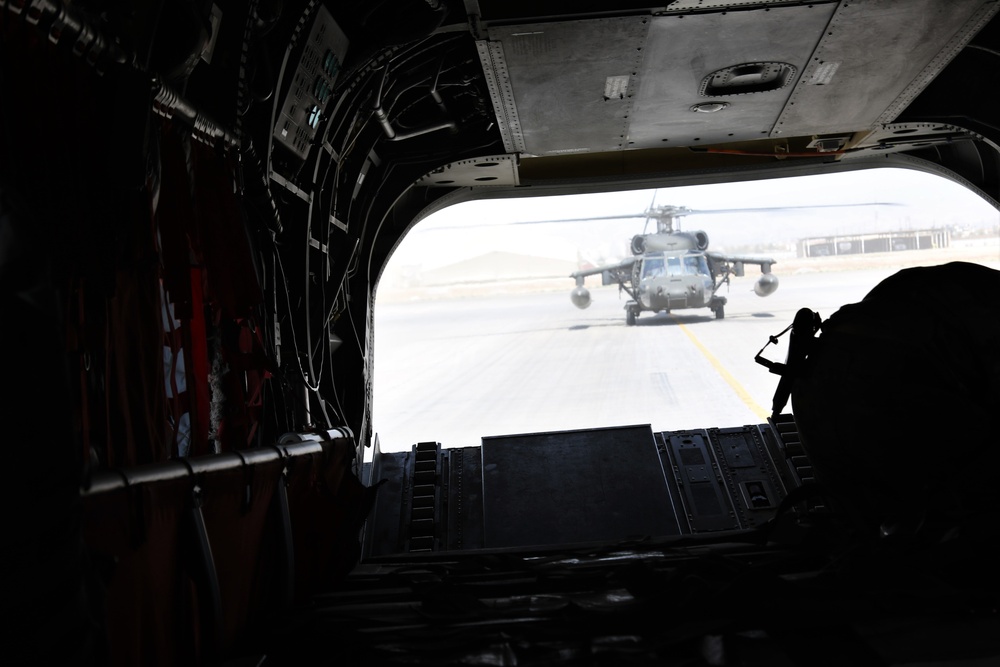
(574, 487)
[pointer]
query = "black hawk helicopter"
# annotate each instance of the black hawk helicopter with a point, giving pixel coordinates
(671, 269)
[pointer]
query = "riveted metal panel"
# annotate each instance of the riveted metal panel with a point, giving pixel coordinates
(494, 64)
(573, 82)
(682, 51)
(875, 57)
(700, 481)
(679, 6)
(489, 170)
(574, 486)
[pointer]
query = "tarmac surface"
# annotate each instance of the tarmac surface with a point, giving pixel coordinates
(459, 366)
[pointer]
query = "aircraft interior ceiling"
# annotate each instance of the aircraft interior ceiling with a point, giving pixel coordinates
(197, 201)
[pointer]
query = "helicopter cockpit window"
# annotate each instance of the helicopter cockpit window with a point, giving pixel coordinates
(652, 267)
(696, 265)
(674, 266)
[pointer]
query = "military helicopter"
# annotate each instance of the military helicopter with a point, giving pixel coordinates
(671, 269)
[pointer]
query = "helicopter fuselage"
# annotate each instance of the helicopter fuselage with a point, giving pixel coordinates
(672, 270)
(664, 281)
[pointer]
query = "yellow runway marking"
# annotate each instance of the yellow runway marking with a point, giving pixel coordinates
(726, 375)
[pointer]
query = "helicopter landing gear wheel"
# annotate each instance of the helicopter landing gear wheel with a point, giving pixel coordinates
(720, 312)
(630, 316)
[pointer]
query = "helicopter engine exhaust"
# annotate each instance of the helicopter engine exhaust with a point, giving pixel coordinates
(638, 244)
(580, 297)
(766, 285)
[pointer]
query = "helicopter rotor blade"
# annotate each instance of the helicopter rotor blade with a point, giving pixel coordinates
(542, 222)
(651, 213)
(681, 212)
(587, 219)
(767, 209)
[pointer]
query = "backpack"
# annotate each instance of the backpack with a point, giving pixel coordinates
(896, 401)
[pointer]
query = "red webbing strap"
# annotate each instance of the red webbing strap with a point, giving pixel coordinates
(255, 401)
(221, 232)
(135, 351)
(173, 221)
(173, 340)
(247, 363)
(196, 346)
(183, 283)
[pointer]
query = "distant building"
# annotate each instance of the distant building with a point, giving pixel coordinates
(858, 244)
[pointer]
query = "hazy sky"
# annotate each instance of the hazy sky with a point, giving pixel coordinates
(924, 201)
